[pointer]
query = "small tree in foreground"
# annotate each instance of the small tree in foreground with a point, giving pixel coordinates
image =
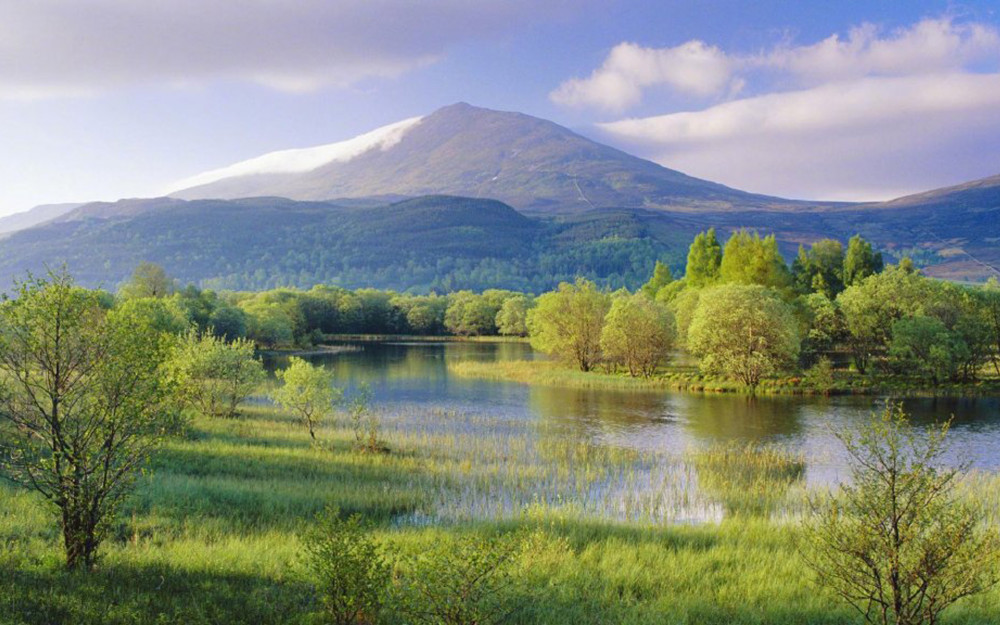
(638, 333)
(307, 390)
(896, 543)
(215, 376)
(566, 323)
(470, 582)
(86, 402)
(352, 575)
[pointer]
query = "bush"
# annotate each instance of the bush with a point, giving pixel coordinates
(352, 575)
(469, 582)
(214, 376)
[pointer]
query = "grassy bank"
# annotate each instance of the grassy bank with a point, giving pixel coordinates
(549, 373)
(213, 532)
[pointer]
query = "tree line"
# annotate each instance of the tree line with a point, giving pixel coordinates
(746, 314)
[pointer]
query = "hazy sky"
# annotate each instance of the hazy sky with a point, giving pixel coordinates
(102, 99)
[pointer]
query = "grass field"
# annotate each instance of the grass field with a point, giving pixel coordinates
(212, 534)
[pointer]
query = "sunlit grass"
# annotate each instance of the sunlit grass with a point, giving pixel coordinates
(212, 534)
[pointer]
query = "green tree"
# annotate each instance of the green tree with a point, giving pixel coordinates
(148, 280)
(860, 261)
(923, 347)
(215, 376)
(269, 324)
(661, 278)
(87, 403)
(470, 314)
(566, 323)
(512, 320)
(164, 315)
(638, 333)
(308, 391)
(351, 572)
(821, 269)
(896, 542)
(750, 259)
(704, 259)
(743, 331)
(469, 582)
(825, 327)
(228, 323)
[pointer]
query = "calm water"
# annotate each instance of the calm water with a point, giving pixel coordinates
(415, 375)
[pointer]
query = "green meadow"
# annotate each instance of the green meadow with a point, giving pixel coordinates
(213, 533)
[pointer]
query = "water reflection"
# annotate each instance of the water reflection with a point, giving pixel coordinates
(408, 375)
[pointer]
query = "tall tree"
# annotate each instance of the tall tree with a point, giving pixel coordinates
(704, 259)
(860, 261)
(743, 331)
(750, 259)
(821, 269)
(88, 404)
(567, 323)
(661, 278)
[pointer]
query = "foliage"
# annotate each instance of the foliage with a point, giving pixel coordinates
(825, 327)
(661, 278)
(84, 394)
(821, 269)
(820, 376)
(923, 347)
(308, 391)
(148, 280)
(744, 331)
(214, 376)
(512, 320)
(470, 314)
(162, 314)
(895, 542)
(703, 260)
(749, 259)
(860, 261)
(469, 582)
(351, 573)
(567, 323)
(365, 422)
(638, 333)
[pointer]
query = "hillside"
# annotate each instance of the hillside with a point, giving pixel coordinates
(34, 216)
(529, 163)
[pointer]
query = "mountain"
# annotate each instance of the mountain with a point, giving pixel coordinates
(34, 216)
(531, 164)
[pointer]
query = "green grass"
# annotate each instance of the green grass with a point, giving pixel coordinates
(212, 533)
(688, 378)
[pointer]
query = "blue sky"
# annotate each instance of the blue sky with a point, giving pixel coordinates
(102, 99)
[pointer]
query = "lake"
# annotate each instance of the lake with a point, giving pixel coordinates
(409, 376)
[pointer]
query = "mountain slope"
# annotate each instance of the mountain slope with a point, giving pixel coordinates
(529, 163)
(33, 217)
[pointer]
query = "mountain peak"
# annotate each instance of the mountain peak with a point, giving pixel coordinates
(460, 149)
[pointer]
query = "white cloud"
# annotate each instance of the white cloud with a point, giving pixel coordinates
(872, 138)
(696, 68)
(59, 48)
(693, 68)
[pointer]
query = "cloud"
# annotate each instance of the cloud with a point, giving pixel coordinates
(872, 138)
(55, 48)
(696, 68)
(693, 68)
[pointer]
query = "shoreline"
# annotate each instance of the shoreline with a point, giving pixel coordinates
(548, 373)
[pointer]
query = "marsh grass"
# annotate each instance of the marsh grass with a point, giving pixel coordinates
(212, 533)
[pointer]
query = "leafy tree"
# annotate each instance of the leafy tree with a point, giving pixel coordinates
(860, 261)
(215, 376)
(228, 323)
(749, 259)
(471, 581)
(470, 314)
(824, 325)
(991, 314)
(148, 280)
(821, 269)
(638, 333)
(84, 394)
(512, 320)
(164, 315)
(704, 260)
(923, 347)
(567, 323)
(661, 278)
(269, 323)
(744, 331)
(683, 306)
(307, 390)
(351, 573)
(896, 543)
